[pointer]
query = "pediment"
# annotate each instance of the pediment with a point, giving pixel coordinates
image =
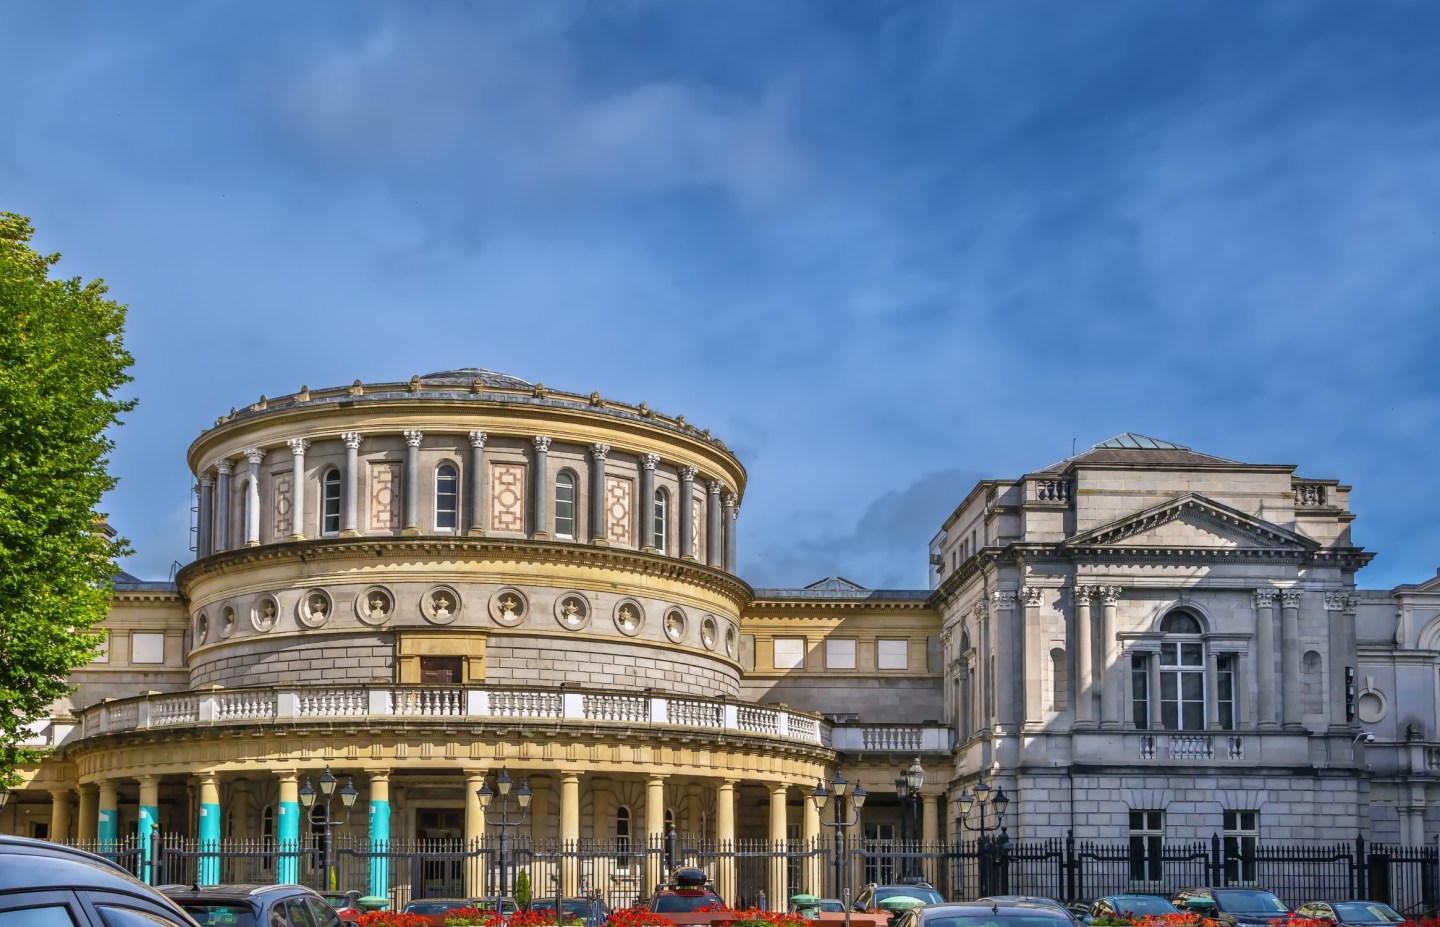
(1193, 521)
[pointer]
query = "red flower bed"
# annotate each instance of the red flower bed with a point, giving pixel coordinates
(392, 919)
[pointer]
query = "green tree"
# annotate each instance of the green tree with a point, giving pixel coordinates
(62, 361)
(522, 889)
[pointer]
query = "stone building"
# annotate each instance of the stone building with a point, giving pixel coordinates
(419, 583)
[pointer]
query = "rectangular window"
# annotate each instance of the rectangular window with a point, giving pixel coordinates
(840, 654)
(662, 508)
(565, 506)
(1140, 690)
(103, 654)
(1147, 837)
(147, 647)
(1225, 696)
(1242, 837)
(892, 654)
(789, 653)
(1182, 686)
(437, 671)
(447, 498)
(330, 503)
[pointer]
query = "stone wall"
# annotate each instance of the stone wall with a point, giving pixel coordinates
(888, 700)
(516, 660)
(341, 659)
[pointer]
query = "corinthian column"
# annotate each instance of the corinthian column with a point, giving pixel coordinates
(732, 511)
(647, 501)
(1290, 656)
(1005, 669)
(297, 488)
(204, 525)
(687, 513)
(1265, 655)
(598, 453)
(476, 527)
(252, 497)
(350, 519)
(540, 489)
(1112, 676)
(713, 528)
(412, 482)
(1084, 657)
(222, 505)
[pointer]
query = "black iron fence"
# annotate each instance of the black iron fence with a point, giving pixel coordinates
(749, 872)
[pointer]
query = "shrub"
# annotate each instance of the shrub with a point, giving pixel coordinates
(391, 919)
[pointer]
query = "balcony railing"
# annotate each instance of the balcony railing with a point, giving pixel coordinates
(892, 738)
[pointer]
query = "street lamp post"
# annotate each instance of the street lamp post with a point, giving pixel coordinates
(841, 824)
(502, 818)
(990, 845)
(327, 794)
(909, 783)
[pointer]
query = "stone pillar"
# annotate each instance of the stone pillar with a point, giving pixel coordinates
(540, 489)
(287, 829)
(1030, 698)
(1212, 689)
(713, 529)
(59, 815)
(647, 501)
(350, 509)
(693, 822)
(732, 511)
(810, 831)
(930, 829)
(1265, 655)
(1152, 678)
(209, 829)
(222, 505)
(204, 521)
(687, 513)
(1005, 668)
(598, 453)
(107, 819)
(776, 885)
(411, 526)
(88, 815)
(297, 487)
(147, 819)
(1290, 656)
(476, 527)
(1340, 612)
(725, 837)
(475, 865)
(1111, 673)
(1084, 657)
(380, 832)
(654, 829)
(252, 497)
(569, 831)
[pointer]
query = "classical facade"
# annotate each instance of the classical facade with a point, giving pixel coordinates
(417, 584)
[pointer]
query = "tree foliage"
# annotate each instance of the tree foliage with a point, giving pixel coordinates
(522, 888)
(62, 362)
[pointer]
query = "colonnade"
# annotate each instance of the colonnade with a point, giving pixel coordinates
(710, 540)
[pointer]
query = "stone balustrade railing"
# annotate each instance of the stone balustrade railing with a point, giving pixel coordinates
(294, 704)
(892, 738)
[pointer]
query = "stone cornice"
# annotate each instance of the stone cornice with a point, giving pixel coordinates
(120, 595)
(1229, 520)
(484, 548)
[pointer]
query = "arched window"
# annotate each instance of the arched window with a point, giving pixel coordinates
(662, 513)
(1059, 680)
(267, 836)
(1182, 673)
(622, 837)
(1312, 683)
(447, 498)
(330, 502)
(565, 505)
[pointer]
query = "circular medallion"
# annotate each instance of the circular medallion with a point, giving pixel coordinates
(675, 625)
(1370, 706)
(264, 612)
(440, 605)
(314, 608)
(202, 627)
(709, 632)
(508, 606)
(629, 617)
(731, 639)
(572, 611)
(227, 621)
(375, 606)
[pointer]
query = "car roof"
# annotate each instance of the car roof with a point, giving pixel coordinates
(977, 907)
(39, 864)
(235, 890)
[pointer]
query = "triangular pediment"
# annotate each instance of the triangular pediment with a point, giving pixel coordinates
(1193, 521)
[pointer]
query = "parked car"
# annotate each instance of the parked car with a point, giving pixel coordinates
(689, 890)
(1253, 907)
(982, 914)
(1050, 904)
(1351, 912)
(506, 904)
(254, 905)
(435, 910)
(590, 912)
(43, 883)
(870, 897)
(1122, 905)
(346, 905)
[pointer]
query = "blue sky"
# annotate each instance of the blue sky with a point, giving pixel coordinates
(883, 250)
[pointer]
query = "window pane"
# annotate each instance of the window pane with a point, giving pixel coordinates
(789, 652)
(840, 654)
(892, 654)
(565, 505)
(1169, 686)
(54, 915)
(1167, 654)
(1192, 686)
(1194, 716)
(1192, 654)
(1170, 716)
(147, 647)
(115, 916)
(660, 515)
(330, 506)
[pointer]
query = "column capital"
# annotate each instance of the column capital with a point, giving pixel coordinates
(541, 442)
(1290, 598)
(688, 474)
(413, 437)
(1033, 596)
(730, 500)
(569, 777)
(1335, 601)
(287, 775)
(656, 777)
(206, 480)
(207, 778)
(224, 467)
(1082, 594)
(297, 445)
(352, 439)
(1263, 598)
(147, 779)
(378, 775)
(1110, 595)
(648, 461)
(714, 487)
(478, 438)
(255, 455)
(599, 451)
(1004, 598)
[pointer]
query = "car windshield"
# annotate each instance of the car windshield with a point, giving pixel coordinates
(984, 918)
(1233, 902)
(1366, 911)
(576, 907)
(1142, 904)
(221, 915)
(669, 904)
(927, 895)
(437, 907)
(831, 905)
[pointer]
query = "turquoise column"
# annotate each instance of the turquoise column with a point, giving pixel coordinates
(287, 830)
(380, 833)
(107, 820)
(149, 819)
(209, 830)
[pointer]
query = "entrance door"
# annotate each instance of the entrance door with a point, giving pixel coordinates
(439, 671)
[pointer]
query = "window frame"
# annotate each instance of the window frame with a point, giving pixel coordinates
(1240, 833)
(659, 525)
(567, 478)
(135, 637)
(454, 497)
(1179, 711)
(904, 643)
(1147, 846)
(799, 662)
(830, 662)
(1140, 691)
(327, 498)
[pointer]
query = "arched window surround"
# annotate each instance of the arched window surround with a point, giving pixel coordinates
(330, 501)
(567, 504)
(447, 497)
(662, 516)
